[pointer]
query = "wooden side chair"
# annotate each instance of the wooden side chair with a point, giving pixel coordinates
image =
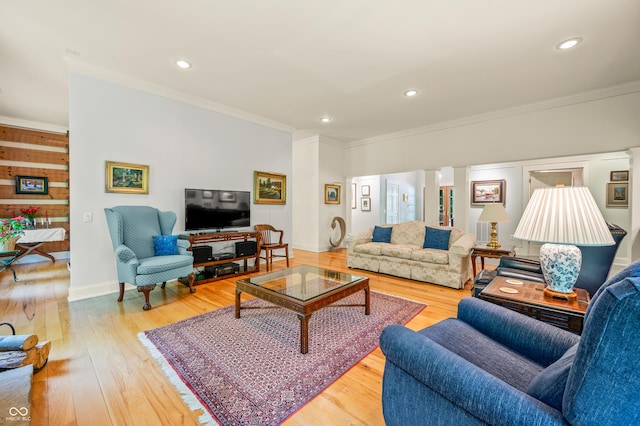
(270, 240)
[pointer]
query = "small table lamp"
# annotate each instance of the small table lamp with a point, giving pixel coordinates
(562, 217)
(493, 213)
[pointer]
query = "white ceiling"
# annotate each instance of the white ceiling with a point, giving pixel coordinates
(293, 61)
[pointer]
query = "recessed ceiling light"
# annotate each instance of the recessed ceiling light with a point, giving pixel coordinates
(185, 65)
(411, 93)
(568, 44)
(326, 119)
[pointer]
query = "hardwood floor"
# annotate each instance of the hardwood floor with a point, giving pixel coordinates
(100, 374)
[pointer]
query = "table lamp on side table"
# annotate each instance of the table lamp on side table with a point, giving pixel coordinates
(494, 213)
(561, 218)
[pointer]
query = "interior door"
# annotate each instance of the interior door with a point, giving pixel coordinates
(393, 202)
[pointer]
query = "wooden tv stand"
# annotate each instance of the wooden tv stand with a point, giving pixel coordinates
(219, 237)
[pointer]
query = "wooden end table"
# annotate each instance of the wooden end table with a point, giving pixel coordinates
(531, 301)
(483, 251)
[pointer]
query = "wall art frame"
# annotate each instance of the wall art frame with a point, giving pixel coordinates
(269, 188)
(619, 176)
(618, 194)
(365, 204)
(126, 178)
(331, 193)
(35, 185)
(487, 192)
(366, 190)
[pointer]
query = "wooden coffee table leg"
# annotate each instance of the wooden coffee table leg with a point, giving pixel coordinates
(304, 333)
(367, 301)
(238, 293)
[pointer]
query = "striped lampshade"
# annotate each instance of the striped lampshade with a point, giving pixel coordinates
(565, 215)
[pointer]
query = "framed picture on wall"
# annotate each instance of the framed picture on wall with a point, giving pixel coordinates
(365, 204)
(32, 185)
(269, 188)
(618, 194)
(487, 192)
(619, 176)
(126, 178)
(331, 193)
(366, 190)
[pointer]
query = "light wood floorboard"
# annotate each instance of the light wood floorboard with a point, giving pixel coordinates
(100, 374)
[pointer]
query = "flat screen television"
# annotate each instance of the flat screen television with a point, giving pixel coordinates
(216, 209)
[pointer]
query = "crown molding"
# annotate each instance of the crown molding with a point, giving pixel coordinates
(608, 92)
(32, 125)
(84, 68)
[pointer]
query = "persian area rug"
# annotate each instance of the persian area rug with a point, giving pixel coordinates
(250, 371)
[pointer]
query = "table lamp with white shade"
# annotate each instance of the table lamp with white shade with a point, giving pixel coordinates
(494, 213)
(561, 218)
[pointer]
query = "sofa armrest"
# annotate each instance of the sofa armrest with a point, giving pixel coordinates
(361, 237)
(463, 384)
(535, 339)
(183, 246)
(462, 246)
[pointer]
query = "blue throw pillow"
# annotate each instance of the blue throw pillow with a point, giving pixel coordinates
(548, 386)
(382, 234)
(435, 238)
(165, 245)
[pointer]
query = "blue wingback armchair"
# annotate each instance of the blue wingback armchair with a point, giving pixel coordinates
(494, 366)
(144, 257)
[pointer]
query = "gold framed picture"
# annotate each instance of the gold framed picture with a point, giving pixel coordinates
(618, 194)
(269, 188)
(331, 193)
(126, 178)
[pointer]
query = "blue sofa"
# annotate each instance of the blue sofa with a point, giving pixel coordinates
(494, 366)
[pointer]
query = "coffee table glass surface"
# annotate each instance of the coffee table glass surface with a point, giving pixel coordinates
(303, 282)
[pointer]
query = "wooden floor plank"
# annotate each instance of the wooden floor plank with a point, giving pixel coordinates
(100, 374)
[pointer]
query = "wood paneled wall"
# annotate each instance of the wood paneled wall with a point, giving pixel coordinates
(34, 153)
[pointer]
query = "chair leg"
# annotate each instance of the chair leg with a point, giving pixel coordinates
(286, 252)
(164, 284)
(146, 289)
(192, 278)
(269, 256)
(121, 292)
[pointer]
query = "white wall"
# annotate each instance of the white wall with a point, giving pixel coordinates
(332, 166)
(601, 125)
(306, 203)
(184, 146)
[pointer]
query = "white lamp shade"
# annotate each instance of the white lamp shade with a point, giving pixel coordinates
(494, 212)
(565, 215)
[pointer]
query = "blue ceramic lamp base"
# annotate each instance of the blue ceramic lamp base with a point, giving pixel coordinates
(560, 264)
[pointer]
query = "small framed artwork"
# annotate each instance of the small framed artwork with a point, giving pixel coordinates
(366, 190)
(487, 192)
(331, 193)
(227, 197)
(354, 188)
(269, 188)
(35, 185)
(618, 194)
(365, 204)
(620, 176)
(126, 178)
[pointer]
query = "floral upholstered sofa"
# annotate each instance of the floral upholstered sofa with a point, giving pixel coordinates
(414, 250)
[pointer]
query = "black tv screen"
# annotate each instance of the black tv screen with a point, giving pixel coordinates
(216, 209)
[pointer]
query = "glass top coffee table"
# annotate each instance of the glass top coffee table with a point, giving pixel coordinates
(303, 290)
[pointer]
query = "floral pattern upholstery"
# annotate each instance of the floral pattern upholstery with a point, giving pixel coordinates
(404, 256)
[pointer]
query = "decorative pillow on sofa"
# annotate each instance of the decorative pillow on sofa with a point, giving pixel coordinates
(548, 386)
(435, 238)
(165, 245)
(382, 234)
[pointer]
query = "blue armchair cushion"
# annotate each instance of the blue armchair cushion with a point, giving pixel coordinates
(165, 245)
(382, 234)
(549, 385)
(435, 238)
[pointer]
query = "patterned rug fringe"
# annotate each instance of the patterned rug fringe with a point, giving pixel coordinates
(187, 394)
